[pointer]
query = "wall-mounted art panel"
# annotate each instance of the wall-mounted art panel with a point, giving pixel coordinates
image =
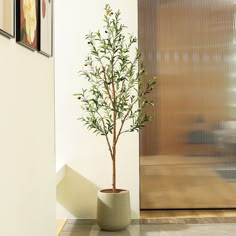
(27, 23)
(7, 19)
(46, 18)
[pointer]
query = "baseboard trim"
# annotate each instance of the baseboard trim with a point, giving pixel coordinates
(60, 225)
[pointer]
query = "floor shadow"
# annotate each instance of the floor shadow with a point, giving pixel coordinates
(96, 231)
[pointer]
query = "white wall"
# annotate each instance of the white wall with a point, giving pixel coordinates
(27, 168)
(87, 155)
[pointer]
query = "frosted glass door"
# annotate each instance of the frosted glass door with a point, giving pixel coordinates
(188, 150)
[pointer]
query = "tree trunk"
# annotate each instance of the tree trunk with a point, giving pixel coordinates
(114, 172)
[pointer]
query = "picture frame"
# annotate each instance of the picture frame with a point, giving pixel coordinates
(46, 27)
(7, 18)
(28, 23)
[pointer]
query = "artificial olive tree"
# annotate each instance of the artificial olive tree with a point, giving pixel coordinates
(115, 99)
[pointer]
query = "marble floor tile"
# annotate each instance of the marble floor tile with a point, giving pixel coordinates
(198, 230)
(222, 229)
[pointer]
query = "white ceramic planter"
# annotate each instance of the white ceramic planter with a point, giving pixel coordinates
(113, 210)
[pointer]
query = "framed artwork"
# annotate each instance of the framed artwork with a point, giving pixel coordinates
(46, 13)
(7, 17)
(27, 23)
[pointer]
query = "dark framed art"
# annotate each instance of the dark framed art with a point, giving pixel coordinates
(46, 31)
(7, 18)
(27, 23)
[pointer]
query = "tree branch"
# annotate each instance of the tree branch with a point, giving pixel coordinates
(105, 133)
(123, 121)
(106, 86)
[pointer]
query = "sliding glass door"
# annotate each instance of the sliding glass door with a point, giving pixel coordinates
(188, 150)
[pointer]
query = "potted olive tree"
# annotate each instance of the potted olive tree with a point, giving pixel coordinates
(113, 104)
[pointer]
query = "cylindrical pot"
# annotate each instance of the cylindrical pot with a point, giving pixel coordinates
(113, 210)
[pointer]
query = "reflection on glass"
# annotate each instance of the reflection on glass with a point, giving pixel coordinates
(188, 150)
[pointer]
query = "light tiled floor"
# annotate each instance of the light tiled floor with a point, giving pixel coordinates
(86, 229)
